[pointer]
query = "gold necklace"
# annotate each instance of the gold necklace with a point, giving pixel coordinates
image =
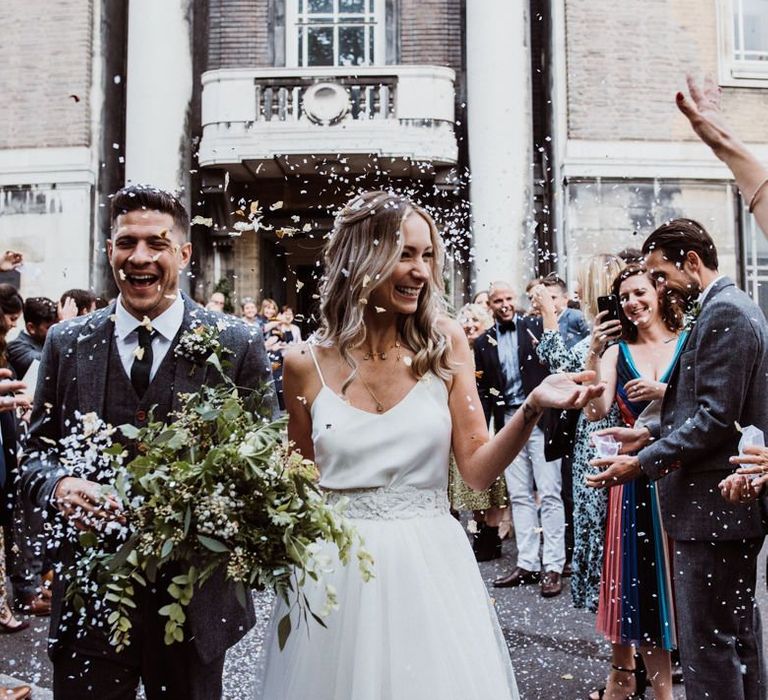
(379, 405)
(383, 355)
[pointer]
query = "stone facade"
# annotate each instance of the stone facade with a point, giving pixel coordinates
(46, 76)
(626, 61)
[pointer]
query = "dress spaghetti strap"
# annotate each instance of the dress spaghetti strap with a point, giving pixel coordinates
(317, 365)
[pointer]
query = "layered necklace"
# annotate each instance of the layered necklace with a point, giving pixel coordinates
(371, 356)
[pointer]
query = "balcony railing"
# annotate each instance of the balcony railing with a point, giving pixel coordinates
(403, 112)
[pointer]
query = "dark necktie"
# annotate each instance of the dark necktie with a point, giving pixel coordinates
(506, 326)
(142, 362)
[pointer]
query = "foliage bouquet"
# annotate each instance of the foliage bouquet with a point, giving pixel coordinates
(219, 488)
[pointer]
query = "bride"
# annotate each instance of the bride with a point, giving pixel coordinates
(378, 399)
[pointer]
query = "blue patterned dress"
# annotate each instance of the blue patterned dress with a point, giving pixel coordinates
(589, 505)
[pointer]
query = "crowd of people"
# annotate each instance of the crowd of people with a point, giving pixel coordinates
(613, 454)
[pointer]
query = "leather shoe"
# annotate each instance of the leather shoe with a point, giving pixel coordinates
(518, 577)
(551, 584)
(20, 692)
(36, 605)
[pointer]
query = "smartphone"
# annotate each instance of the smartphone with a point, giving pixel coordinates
(610, 304)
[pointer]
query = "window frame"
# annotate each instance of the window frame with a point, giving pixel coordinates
(733, 72)
(293, 28)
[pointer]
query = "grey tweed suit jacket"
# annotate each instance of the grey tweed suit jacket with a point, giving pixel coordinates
(721, 378)
(72, 377)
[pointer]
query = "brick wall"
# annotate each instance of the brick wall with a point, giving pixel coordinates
(626, 60)
(45, 54)
(431, 32)
(238, 34)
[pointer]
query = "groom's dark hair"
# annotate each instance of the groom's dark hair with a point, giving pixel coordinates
(134, 197)
(677, 237)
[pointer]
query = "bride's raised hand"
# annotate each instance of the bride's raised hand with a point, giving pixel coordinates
(566, 390)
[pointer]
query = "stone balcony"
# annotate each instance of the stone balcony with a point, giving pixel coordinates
(273, 122)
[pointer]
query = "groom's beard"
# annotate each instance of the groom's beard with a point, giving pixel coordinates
(685, 292)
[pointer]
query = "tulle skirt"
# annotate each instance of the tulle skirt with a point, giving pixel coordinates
(424, 627)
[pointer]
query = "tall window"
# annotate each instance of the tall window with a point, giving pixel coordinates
(743, 26)
(335, 32)
(755, 259)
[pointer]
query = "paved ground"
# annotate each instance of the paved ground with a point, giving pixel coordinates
(554, 648)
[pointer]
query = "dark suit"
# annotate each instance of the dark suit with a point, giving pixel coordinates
(81, 371)
(530, 464)
(22, 351)
(720, 378)
(573, 326)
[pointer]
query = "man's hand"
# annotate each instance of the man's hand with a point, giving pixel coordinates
(754, 469)
(67, 310)
(619, 470)
(11, 260)
(632, 439)
(565, 391)
(8, 388)
(739, 488)
(703, 112)
(85, 503)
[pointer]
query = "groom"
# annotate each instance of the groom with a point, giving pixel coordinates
(720, 381)
(116, 363)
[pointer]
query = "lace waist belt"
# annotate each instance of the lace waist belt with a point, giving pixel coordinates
(392, 503)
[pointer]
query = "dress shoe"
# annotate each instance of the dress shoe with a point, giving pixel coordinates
(518, 577)
(20, 692)
(567, 570)
(551, 584)
(486, 543)
(36, 605)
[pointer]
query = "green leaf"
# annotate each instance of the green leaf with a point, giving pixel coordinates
(283, 630)
(212, 544)
(167, 548)
(130, 431)
(88, 539)
(187, 520)
(240, 593)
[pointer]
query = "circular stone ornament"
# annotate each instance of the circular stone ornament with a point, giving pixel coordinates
(325, 103)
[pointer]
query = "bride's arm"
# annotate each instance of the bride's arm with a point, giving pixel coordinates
(298, 371)
(481, 459)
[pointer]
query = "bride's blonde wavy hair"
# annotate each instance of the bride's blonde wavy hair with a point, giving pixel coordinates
(361, 253)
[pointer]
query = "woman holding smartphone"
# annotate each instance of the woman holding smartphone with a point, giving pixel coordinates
(636, 606)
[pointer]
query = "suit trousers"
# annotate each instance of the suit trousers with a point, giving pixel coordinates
(719, 630)
(527, 469)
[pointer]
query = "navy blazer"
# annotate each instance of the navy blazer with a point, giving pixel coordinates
(490, 378)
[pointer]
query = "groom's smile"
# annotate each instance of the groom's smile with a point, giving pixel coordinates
(146, 254)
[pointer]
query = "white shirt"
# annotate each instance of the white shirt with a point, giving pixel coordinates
(708, 289)
(167, 325)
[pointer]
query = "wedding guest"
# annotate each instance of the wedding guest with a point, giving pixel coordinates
(84, 301)
(39, 315)
(571, 322)
(11, 305)
(489, 506)
(249, 312)
(216, 302)
(595, 279)
(267, 311)
(508, 370)
(481, 298)
(720, 383)
(378, 401)
(93, 366)
(637, 607)
(279, 335)
(702, 109)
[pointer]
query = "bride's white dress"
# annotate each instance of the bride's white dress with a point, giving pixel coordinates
(424, 627)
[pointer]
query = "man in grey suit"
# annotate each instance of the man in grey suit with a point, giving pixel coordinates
(120, 363)
(721, 379)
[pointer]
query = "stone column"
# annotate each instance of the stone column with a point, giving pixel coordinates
(500, 138)
(158, 93)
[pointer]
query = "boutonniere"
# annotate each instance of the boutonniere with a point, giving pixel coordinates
(689, 320)
(200, 345)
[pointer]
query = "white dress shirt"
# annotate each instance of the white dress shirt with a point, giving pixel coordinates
(167, 325)
(708, 289)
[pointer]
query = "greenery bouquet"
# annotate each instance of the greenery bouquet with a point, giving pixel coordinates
(217, 488)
